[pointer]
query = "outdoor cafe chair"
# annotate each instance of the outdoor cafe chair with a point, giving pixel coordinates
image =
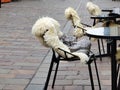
(98, 41)
(56, 58)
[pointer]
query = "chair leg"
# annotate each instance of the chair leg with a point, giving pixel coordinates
(118, 77)
(103, 46)
(97, 74)
(99, 49)
(56, 70)
(91, 77)
(49, 72)
(108, 47)
(118, 67)
(118, 83)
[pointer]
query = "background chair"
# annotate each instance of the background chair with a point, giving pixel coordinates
(79, 30)
(98, 40)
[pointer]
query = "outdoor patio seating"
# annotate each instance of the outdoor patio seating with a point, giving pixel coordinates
(64, 48)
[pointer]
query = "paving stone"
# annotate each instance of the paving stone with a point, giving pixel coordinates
(14, 81)
(26, 64)
(56, 88)
(10, 67)
(62, 82)
(74, 77)
(73, 88)
(106, 82)
(25, 76)
(97, 88)
(29, 67)
(4, 71)
(41, 74)
(67, 73)
(37, 80)
(34, 87)
(43, 69)
(7, 76)
(1, 86)
(24, 72)
(106, 72)
(14, 87)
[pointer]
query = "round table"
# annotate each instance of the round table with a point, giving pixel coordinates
(112, 33)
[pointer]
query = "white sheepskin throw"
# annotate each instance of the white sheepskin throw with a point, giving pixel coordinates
(93, 9)
(72, 15)
(46, 29)
(43, 24)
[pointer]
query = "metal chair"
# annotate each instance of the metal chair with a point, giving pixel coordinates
(98, 40)
(56, 58)
(62, 55)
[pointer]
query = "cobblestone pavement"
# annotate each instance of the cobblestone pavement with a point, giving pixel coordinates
(24, 62)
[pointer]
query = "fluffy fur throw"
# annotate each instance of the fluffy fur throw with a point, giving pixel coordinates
(93, 9)
(72, 15)
(46, 29)
(43, 24)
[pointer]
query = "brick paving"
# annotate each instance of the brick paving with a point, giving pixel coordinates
(24, 62)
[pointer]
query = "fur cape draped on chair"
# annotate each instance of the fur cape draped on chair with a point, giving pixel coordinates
(47, 30)
(72, 15)
(93, 9)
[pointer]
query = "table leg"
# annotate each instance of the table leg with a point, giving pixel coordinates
(0, 3)
(113, 65)
(119, 83)
(108, 47)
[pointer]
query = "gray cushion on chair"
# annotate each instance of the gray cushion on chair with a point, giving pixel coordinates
(82, 45)
(68, 40)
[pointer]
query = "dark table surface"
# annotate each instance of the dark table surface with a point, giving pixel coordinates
(105, 32)
(113, 14)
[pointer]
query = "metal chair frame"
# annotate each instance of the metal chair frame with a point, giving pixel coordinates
(118, 76)
(56, 60)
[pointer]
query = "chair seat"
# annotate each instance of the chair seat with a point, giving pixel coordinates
(82, 45)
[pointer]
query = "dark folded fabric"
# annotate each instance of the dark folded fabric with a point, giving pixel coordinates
(82, 45)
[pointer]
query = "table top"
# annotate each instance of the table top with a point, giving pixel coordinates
(114, 13)
(112, 32)
(110, 16)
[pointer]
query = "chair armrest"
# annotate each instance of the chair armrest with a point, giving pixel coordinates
(86, 25)
(67, 53)
(81, 28)
(74, 58)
